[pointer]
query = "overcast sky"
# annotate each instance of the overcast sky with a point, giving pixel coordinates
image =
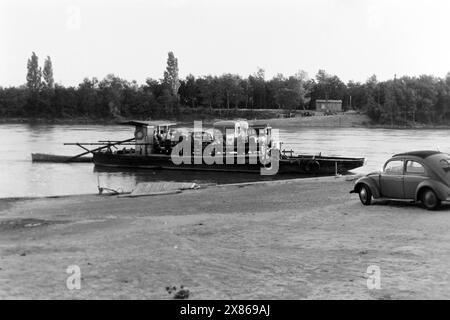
(350, 38)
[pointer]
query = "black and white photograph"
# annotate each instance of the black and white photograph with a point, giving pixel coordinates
(222, 150)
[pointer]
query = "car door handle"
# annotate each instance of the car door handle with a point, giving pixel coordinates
(396, 178)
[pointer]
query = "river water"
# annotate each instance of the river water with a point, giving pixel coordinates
(20, 177)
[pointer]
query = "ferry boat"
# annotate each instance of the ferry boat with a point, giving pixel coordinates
(243, 147)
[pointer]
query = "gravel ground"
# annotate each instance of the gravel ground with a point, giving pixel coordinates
(306, 239)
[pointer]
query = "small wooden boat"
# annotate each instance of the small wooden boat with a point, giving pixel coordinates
(43, 157)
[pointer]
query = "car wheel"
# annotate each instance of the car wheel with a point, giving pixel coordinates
(365, 195)
(430, 200)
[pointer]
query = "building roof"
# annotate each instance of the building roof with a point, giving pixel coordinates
(258, 123)
(147, 123)
(421, 154)
(226, 123)
(332, 101)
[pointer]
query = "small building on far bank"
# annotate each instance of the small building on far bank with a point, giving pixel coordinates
(329, 105)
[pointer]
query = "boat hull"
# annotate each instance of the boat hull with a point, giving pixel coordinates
(305, 164)
(43, 157)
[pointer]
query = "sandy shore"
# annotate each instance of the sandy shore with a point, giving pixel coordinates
(334, 121)
(306, 239)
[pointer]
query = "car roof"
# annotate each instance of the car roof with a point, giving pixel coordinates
(421, 154)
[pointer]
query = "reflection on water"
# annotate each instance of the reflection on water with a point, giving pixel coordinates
(20, 177)
(132, 176)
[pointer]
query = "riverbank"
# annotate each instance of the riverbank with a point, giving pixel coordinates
(331, 121)
(345, 120)
(57, 121)
(302, 239)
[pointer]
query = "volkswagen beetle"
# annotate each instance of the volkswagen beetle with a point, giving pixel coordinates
(420, 176)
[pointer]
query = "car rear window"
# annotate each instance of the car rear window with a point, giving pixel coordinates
(445, 165)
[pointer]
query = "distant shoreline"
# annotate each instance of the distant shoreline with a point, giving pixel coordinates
(45, 121)
(333, 121)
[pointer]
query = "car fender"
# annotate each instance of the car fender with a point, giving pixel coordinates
(442, 191)
(370, 182)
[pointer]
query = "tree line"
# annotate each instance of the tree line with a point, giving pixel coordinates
(399, 101)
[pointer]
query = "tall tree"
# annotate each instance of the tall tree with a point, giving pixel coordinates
(210, 91)
(257, 84)
(112, 89)
(189, 91)
(328, 87)
(298, 83)
(88, 97)
(47, 73)
(34, 73)
(372, 108)
(390, 103)
(231, 89)
(289, 92)
(171, 79)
